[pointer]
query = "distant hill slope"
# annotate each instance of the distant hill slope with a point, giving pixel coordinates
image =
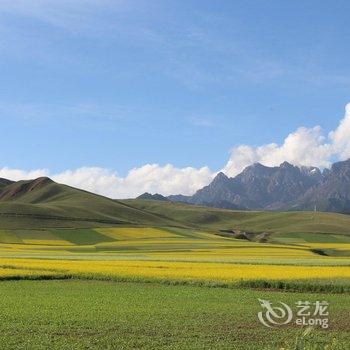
(153, 197)
(251, 221)
(44, 203)
(280, 188)
(4, 183)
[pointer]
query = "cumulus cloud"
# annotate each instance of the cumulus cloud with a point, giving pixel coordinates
(17, 174)
(148, 178)
(305, 146)
(340, 138)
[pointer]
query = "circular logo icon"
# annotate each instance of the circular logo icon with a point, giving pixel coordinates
(273, 316)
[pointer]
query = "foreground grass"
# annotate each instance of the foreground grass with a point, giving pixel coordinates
(107, 315)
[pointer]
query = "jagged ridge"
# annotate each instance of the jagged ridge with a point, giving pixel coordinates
(285, 187)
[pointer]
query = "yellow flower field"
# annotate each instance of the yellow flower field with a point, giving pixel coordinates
(337, 246)
(128, 233)
(6, 272)
(171, 270)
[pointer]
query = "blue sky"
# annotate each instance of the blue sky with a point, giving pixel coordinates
(117, 85)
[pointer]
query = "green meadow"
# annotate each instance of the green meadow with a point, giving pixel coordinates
(107, 315)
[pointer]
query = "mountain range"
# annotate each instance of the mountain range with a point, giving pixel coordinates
(44, 203)
(41, 203)
(281, 188)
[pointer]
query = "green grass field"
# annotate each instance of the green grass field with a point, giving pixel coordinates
(105, 315)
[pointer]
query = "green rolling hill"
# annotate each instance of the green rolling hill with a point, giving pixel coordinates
(42, 203)
(251, 221)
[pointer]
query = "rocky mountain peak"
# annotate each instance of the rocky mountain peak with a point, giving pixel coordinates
(220, 177)
(341, 167)
(284, 187)
(255, 167)
(287, 165)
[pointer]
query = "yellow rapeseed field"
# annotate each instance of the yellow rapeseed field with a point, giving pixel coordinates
(130, 233)
(6, 272)
(167, 255)
(171, 270)
(337, 246)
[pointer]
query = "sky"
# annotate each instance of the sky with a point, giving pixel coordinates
(123, 97)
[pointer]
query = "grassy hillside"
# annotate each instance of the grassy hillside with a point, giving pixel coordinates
(252, 221)
(4, 183)
(44, 203)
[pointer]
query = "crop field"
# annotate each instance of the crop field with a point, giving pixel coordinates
(104, 315)
(172, 253)
(172, 271)
(100, 288)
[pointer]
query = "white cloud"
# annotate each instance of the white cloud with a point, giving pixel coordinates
(340, 138)
(16, 174)
(305, 146)
(148, 178)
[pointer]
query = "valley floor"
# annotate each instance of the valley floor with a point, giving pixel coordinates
(110, 315)
(167, 288)
(175, 255)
